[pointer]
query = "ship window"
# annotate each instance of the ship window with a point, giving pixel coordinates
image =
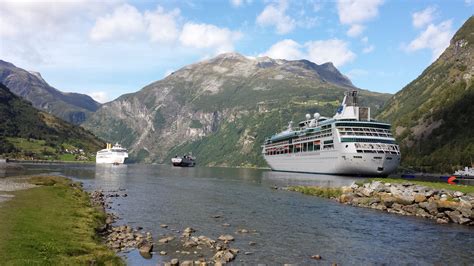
(358, 157)
(378, 158)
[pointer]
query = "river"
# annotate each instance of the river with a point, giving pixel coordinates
(287, 227)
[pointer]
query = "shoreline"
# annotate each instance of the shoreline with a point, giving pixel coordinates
(51, 220)
(440, 203)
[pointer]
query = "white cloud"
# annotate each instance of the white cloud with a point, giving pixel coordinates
(424, 17)
(23, 18)
(469, 2)
(355, 30)
(99, 96)
(435, 37)
(320, 51)
(286, 49)
(356, 12)
(275, 15)
(209, 36)
(162, 26)
(238, 3)
(126, 22)
(333, 50)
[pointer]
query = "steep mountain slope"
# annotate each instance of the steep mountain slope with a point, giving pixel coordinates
(72, 107)
(26, 132)
(221, 109)
(433, 116)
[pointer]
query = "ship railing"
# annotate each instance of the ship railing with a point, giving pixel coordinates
(377, 148)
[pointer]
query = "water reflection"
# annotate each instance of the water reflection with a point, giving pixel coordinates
(302, 179)
(110, 172)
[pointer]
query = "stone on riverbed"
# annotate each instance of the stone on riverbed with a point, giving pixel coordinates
(145, 246)
(174, 262)
(166, 239)
(226, 238)
(223, 256)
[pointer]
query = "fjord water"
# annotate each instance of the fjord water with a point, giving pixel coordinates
(290, 227)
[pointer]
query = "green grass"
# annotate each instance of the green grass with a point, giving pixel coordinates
(67, 157)
(324, 192)
(53, 224)
(32, 145)
(435, 185)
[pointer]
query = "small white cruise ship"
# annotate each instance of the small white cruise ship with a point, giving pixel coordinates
(349, 143)
(112, 154)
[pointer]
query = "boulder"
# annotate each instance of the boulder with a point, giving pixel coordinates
(224, 256)
(346, 198)
(346, 189)
(166, 239)
(189, 230)
(377, 186)
(411, 209)
(174, 262)
(419, 197)
(387, 200)
(457, 217)
(448, 205)
(187, 263)
(226, 238)
(190, 244)
(316, 257)
(145, 246)
(404, 199)
(442, 220)
(431, 207)
(367, 192)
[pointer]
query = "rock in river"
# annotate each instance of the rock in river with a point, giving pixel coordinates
(226, 238)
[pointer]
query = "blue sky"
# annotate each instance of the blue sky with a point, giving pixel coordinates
(108, 48)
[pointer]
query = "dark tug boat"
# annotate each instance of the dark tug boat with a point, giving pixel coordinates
(184, 161)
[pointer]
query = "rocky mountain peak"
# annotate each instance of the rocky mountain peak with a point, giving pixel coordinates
(38, 75)
(30, 85)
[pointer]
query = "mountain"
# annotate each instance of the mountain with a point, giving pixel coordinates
(28, 133)
(71, 107)
(433, 116)
(221, 109)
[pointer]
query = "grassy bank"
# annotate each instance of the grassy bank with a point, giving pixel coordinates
(435, 185)
(324, 192)
(52, 224)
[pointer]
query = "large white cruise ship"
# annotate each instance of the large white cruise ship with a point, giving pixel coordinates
(349, 143)
(112, 155)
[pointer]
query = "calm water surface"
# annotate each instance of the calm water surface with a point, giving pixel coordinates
(290, 226)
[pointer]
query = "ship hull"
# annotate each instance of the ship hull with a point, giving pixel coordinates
(337, 163)
(110, 159)
(179, 162)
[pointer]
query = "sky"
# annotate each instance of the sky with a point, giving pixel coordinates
(106, 48)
